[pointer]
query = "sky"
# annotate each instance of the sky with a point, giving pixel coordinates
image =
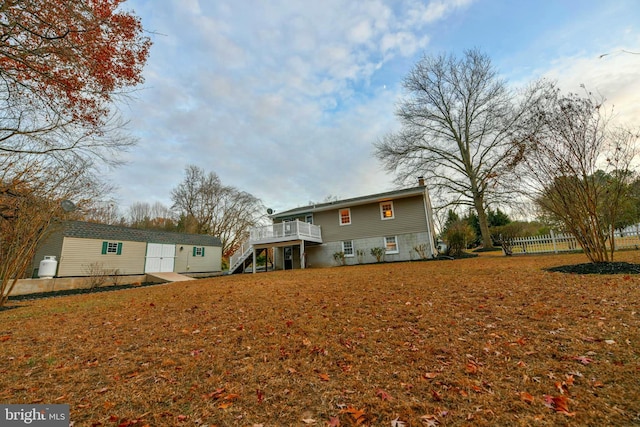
(285, 99)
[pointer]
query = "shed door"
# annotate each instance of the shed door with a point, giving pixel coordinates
(159, 258)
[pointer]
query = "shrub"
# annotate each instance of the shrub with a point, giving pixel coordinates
(339, 258)
(458, 236)
(378, 253)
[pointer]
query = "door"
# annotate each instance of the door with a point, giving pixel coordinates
(288, 257)
(159, 258)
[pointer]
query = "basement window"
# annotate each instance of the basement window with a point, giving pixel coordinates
(391, 244)
(347, 248)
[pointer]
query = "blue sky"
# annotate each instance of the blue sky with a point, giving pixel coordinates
(284, 99)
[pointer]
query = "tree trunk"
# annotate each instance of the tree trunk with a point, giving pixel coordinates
(487, 242)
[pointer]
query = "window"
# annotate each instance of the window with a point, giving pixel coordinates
(198, 251)
(391, 244)
(347, 248)
(386, 210)
(345, 216)
(112, 248)
(309, 219)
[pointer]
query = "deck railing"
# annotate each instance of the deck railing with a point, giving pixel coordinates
(283, 231)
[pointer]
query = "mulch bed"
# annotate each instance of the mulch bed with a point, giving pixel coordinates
(599, 268)
(484, 341)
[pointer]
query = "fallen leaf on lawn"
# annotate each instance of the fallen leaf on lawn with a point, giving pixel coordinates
(383, 395)
(306, 342)
(583, 359)
(324, 377)
(397, 423)
(333, 422)
(429, 375)
(430, 420)
(356, 414)
(102, 390)
(570, 379)
(436, 396)
(597, 384)
(562, 387)
(224, 405)
(5, 338)
(559, 404)
(526, 397)
(609, 342)
(472, 368)
(309, 421)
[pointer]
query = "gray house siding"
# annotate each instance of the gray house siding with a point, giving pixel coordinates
(367, 230)
(322, 255)
(366, 221)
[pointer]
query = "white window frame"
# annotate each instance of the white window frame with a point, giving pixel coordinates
(199, 251)
(340, 216)
(387, 240)
(308, 218)
(112, 247)
(344, 248)
(393, 211)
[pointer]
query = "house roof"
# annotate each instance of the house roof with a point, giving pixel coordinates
(91, 230)
(355, 201)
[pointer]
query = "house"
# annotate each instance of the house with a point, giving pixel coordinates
(84, 248)
(399, 222)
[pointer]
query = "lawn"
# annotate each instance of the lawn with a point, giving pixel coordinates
(483, 341)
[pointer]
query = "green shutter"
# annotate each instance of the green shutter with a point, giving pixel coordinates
(104, 248)
(203, 251)
(194, 251)
(119, 252)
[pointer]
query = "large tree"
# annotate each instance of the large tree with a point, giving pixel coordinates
(206, 206)
(458, 123)
(578, 169)
(61, 65)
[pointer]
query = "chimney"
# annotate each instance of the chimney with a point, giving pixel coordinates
(421, 181)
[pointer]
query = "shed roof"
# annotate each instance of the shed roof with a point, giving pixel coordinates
(91, 230)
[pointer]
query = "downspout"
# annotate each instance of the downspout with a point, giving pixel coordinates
(427, 211)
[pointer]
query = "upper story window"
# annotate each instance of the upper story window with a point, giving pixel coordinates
(308, 219)
(345, 216)
(386, 210)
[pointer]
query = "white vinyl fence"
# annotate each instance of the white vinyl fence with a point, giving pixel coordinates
(629, 238)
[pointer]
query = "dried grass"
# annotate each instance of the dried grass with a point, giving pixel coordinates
(483, 341)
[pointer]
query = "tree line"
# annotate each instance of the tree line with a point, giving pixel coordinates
(202, 204)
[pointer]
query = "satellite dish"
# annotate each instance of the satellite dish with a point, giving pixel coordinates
(68, 205)
(269, 211)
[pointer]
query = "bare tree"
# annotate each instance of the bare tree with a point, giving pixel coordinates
(459, 120)
(156, 216)
(206, 206)
(31, 195)
(577, 168)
